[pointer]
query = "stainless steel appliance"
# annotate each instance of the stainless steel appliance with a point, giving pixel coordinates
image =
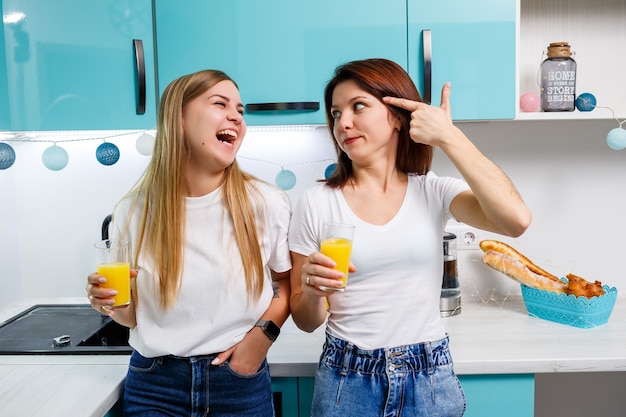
(450, 301)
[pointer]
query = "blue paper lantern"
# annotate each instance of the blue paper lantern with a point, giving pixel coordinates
(585, 102)
(286, 179)
(107, 153)
(7, 155)
(616, 139)
(55, 158)
(330, 169)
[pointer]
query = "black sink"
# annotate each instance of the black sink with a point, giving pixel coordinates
(69, 329)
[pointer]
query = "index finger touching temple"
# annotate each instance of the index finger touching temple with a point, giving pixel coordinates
(403, 103)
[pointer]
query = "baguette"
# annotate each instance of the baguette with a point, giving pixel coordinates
(513, 264)
(502, 247)
(514, 268)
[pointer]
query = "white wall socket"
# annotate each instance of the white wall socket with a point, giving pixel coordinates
(467, 238)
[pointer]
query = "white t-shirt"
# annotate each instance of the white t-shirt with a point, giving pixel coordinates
(393, 297)
(211, 313)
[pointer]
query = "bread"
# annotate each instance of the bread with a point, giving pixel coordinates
(505, 249)
(513, 264)
(515, 268)
(581, 287)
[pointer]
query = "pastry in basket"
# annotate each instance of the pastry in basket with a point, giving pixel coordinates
(513, 264)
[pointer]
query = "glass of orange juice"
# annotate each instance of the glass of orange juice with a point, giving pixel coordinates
(337, 244)
(113, 263)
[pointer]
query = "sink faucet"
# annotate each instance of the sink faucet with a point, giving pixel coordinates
(105, 227)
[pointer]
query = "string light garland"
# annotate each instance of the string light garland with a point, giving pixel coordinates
(56, 157)
(286, 179)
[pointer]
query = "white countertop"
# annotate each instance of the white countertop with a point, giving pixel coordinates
(486, 338)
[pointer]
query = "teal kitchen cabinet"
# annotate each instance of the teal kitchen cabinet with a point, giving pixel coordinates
(292, 396)
(4, 99)
(285, 391)
(487, 395)
(78, 65)
(499, 395)
(278, 51)
(470, 44)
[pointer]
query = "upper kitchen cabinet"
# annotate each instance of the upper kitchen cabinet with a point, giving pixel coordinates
(78, 65)
(4, 99)
(472, 45)
(281, 53)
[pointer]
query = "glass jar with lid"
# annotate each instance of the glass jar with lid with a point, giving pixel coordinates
(558, 79)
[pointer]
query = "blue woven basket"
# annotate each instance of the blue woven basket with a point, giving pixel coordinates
(567, 309)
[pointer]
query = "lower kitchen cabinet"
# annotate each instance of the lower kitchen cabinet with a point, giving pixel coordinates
(285, 396)
(499, 395)
(487, 395)
(292, 396)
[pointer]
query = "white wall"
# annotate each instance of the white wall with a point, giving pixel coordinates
(572, 181)
(575, 186)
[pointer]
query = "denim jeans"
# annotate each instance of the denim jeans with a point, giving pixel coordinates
(173, 386)
(404, 381)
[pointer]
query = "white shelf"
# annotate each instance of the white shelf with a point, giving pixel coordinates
(596, 31)
(596, 114)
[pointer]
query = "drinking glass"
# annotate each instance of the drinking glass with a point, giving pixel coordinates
(113, 263)
(337, 244)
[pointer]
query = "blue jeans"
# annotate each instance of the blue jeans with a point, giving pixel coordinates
(174, 386)
(414, 380)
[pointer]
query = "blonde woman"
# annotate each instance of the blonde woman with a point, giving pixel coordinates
(210, 247)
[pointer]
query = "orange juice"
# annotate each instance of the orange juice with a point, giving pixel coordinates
(339, 250)
(118, 278)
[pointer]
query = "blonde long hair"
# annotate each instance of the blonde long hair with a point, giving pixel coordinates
(163, 190)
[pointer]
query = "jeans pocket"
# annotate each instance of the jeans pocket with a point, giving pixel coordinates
(139, 363)
(260, 371)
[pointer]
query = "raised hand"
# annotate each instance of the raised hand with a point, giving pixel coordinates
(429, 124)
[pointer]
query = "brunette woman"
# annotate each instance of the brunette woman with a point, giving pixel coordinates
(386, 351)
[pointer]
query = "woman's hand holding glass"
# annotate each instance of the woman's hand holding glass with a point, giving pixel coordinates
(318, 270)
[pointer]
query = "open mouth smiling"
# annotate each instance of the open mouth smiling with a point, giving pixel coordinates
(226, 136)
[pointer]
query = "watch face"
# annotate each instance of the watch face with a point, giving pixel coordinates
(270, 328)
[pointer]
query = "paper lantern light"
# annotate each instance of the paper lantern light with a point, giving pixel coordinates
(585, 102)
(286, 179)
(330, 169)
(616, 139)
(55, 158)
(529, 102)
(7, 155)
(107, 153)
(145, 144)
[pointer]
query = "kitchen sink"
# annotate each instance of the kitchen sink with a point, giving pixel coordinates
(70, 329)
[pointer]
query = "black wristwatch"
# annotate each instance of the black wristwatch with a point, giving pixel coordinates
(269, 327)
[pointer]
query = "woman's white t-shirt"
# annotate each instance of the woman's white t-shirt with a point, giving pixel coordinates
(212, 312)
(393, 297)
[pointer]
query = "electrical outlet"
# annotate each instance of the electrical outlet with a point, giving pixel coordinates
(467, 237)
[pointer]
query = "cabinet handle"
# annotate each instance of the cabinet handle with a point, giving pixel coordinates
(428, 61)
(141, 76)
(298, 105)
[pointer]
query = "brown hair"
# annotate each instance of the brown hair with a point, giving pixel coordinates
(163, 190)
(380, 78)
